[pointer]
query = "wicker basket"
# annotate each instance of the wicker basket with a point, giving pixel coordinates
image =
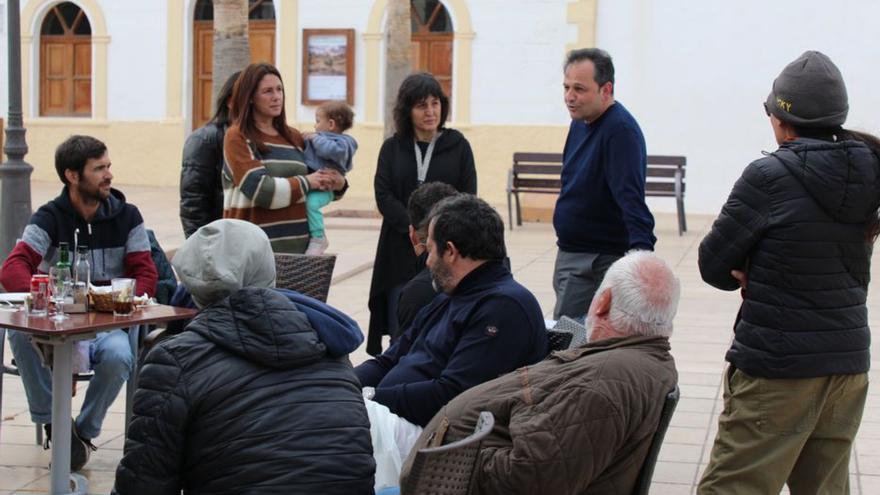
(101, 302)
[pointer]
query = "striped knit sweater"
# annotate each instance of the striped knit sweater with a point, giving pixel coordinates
(268, 189)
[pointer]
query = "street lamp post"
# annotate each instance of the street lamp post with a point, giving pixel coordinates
(15, 173)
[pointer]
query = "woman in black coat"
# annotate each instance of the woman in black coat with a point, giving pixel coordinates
(201, 190)
(421, 150)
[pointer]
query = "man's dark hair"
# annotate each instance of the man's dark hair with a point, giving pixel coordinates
(221, 104)
(339, 112)
(604, 67)
(415, 88)
(423, 199)
(471, 224)
(73, 154)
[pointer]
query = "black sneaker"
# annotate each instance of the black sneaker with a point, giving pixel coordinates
(80, 449)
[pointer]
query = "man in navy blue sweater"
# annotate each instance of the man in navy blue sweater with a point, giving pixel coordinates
(484, 324)
(601, 211)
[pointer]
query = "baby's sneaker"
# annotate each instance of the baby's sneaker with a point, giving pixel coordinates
(317, 245)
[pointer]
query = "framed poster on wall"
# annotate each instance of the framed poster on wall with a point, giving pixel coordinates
(328, 65)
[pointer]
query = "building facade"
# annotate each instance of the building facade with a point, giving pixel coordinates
(136, 74)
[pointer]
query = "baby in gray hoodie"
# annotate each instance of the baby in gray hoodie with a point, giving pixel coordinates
(327, 147)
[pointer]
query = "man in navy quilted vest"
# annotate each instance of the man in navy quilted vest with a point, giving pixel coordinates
(87, 212)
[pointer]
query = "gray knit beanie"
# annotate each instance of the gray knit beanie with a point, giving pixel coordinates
(222, 257)
(809, 92)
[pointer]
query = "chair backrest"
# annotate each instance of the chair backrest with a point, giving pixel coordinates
(167, 282)
(643, 482)
(447, 470)
(307, 274)
(566, 326)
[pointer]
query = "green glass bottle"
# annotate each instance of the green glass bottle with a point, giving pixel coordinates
(63, 255)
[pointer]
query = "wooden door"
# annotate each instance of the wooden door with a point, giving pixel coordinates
(433, 53)
(66, 62)
(261, 38)
(432, 39)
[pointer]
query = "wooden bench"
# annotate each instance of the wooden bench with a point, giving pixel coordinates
(540, 173)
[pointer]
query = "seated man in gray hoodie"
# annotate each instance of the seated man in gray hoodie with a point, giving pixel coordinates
(257, 394)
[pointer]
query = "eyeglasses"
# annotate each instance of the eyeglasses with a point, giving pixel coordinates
(766, 109)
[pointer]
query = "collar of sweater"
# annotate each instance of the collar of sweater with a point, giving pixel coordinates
(489, 272)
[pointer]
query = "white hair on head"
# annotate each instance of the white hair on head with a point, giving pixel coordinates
(644, 294)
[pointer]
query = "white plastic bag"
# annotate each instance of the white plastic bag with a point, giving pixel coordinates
(393, 437)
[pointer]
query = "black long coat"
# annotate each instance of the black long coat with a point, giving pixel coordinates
(396, 178)
(201, 191)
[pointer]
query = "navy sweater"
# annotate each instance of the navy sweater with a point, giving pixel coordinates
(490, 325)
(601, 208)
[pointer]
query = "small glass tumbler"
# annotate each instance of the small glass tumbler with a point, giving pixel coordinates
(123, 296)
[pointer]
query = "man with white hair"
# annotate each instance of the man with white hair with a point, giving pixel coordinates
(582, 420)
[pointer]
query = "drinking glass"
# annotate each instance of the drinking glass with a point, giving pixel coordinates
(61, 289)
(123, 296)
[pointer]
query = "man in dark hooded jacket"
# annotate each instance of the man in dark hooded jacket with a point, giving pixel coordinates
(257, 395)
(796, 237)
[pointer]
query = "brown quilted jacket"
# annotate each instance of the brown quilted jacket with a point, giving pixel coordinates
(579, 422)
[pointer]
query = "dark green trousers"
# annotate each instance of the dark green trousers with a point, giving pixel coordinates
(778, 431)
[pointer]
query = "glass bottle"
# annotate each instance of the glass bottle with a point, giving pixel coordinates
(63, 255)
(82, 269)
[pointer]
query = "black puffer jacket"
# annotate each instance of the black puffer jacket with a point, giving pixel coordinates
(246, 401)
(201, 191)
(797, 222)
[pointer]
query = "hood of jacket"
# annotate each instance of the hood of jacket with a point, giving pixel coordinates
(340, 334)
(110, 207)
(262, 326)
(843, 177)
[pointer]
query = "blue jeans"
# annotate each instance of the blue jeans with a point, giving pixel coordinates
(110, 353)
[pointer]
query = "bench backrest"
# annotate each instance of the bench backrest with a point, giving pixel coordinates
(531, 170)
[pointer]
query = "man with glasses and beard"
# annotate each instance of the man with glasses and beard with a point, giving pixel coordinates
(88, 212)
(482, 324)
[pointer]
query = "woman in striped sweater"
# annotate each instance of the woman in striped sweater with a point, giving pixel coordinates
(265, 178)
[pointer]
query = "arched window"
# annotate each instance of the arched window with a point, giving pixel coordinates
(432, 38)
(261, 37)
(66, 62)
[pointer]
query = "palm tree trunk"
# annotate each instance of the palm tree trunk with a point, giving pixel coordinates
(398, 54)
(231, 48)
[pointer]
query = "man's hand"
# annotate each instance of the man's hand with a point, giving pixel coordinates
(743, 280)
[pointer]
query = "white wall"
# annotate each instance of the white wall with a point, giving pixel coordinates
(136, 59)
(695, 75)
(518, 52)
(335, 14)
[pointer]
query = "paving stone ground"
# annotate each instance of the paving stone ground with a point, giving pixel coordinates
(702, 334)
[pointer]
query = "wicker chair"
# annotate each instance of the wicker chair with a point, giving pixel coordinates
(447, 470)
(306, 274)
(643, 482)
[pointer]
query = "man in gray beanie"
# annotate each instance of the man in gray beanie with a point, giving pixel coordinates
(257, 394)
(795, 237)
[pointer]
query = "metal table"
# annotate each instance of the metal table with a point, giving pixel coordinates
(61, 336)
